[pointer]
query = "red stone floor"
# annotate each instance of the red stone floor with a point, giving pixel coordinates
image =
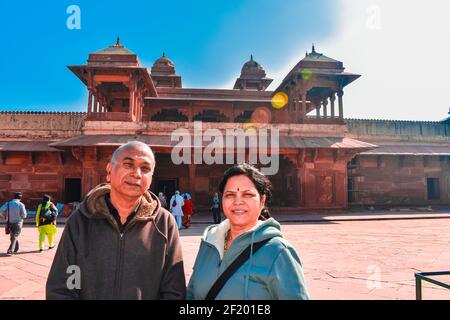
(342, 259)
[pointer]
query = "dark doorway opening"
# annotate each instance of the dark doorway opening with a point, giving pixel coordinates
(72, 190)
(350, 190)
(433, 190)
(167, 186)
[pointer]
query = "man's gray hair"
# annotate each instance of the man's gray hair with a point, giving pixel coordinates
(130, 145)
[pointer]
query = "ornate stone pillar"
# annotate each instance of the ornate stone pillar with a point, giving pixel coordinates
(95, 101)
(90, 101)
(192, 168)
(317, 105)
(303, 110)
(341, 104)
(324, 104)
(299, 172)
(139, 104)
(332, 99)
(131, 104)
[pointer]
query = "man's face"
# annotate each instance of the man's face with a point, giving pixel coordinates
(132, 173)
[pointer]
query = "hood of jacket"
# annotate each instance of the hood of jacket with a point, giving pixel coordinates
(215, 235)
(94, 205)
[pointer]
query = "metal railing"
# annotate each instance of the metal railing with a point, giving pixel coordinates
(424, 276)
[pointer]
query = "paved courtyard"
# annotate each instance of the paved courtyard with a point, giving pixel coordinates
(353, 259)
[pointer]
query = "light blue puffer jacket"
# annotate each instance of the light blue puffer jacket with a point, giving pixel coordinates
(274, 272)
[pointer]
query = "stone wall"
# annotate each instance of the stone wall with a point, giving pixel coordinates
(42, 173)
(399, 180)
(388, 130)
(40, 124)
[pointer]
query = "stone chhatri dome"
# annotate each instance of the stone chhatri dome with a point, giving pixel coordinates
(320, 61)
(253, 69)
(253, 77)
(163, 66)
(114, 55)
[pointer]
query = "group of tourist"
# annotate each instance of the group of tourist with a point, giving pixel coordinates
(14, 212)
(181, 207)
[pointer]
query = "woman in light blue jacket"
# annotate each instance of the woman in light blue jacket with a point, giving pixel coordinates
(272, 270)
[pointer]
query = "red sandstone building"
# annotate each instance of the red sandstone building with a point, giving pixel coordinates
(326, 161)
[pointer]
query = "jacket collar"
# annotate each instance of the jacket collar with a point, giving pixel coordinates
(215, 235)
(94, 205)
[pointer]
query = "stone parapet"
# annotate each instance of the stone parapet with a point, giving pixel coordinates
(167, 127)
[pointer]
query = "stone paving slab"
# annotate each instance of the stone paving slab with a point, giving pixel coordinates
(345, 259)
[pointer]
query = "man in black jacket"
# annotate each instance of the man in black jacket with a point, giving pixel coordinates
(120, 243)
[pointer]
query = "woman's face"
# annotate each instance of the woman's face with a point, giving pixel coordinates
(242, 203)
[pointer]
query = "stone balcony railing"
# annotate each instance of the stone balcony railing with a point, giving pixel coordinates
(108, 116)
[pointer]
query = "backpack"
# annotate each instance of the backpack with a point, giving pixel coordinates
(49, 215)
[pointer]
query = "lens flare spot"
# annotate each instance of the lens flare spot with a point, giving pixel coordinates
(279, 100)
(261, 115)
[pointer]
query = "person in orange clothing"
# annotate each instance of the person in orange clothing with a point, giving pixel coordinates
(187, 210)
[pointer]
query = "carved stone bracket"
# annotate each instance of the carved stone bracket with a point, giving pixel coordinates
(78, 153)
(301, 157)
(61, 158)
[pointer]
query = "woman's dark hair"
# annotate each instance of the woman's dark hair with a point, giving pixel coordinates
(261, 182)
(45, 199)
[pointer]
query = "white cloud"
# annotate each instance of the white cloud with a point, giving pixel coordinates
(402, 50)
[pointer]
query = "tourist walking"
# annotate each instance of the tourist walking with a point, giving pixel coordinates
(187, 210)
(14, 213)
(215, 208)
(176, 207)
(46, 214)
(163, 200)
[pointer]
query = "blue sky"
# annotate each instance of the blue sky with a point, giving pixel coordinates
(207, 40)
(400, 47)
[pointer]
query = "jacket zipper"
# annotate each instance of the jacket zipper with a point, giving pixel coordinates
(120, 258)
(117, 280)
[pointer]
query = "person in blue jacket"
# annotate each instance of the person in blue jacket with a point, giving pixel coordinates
(272, 272)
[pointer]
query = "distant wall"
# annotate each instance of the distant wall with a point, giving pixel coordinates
(398, 130)
(44, 173)
(42, 120)
(398, 180)
(17, 124)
